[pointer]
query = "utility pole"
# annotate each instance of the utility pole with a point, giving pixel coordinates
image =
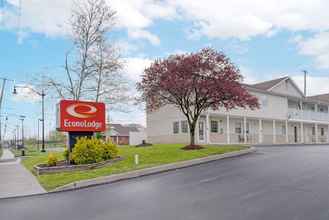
(1, 98)
(43, 120)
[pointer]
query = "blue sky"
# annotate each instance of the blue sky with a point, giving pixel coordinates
(265, 41)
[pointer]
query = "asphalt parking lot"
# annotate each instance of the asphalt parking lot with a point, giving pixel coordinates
(275, 183)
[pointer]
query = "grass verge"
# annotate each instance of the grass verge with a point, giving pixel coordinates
(149, 157)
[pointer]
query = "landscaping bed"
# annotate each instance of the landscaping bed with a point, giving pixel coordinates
(63, 166)
(158, 154)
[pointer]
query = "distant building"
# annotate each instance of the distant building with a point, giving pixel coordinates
(120, 134)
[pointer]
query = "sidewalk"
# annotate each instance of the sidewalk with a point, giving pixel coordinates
(15, 179)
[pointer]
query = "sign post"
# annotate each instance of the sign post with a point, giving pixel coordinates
(80, 119)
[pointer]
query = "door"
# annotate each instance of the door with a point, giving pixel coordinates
(201, 131)
(295, 134)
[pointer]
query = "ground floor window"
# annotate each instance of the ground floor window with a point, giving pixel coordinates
(214, 126)
(322, 131)
(176, 127)
(283, 129)
(238, 127)
(184, 126)
(313, 130)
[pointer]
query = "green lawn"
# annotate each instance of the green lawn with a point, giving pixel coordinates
(148, 156)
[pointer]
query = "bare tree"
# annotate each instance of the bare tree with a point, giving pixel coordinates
(95, 69)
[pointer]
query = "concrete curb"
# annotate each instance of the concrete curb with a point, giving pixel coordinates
(149, 171)
(8, 160)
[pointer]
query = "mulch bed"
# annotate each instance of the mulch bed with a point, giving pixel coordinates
(193, 147)
(63, 166)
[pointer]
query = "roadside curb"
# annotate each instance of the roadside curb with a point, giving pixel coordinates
(8, 160)
(149, 171)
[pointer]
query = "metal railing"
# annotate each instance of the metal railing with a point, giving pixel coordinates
(307, 115)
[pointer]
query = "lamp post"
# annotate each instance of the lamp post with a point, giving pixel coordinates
(42, 94)
(22, 117)
(38, 141)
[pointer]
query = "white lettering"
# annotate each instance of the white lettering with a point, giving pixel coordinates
(82, 124)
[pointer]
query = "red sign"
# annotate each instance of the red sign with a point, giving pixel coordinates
(80, 116)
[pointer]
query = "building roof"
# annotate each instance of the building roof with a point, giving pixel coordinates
(120, 130)
(321, 97)
(266, 85)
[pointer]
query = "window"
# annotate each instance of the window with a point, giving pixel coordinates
(184, 126)
(322, 131)
(176, 127)
(238, 127)
(221, 129)
(214, 126)
(283, 130)
(263, 101)
(313, 130)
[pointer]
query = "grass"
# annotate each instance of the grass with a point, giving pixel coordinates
(148, 157)
(30, 151)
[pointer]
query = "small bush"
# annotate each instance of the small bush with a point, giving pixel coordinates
(93, 150)
(66, 155)
(110, 151)
(52, 160)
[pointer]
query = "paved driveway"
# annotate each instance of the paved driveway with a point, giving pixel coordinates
(276, 183)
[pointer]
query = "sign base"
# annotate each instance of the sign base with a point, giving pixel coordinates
(74, 135)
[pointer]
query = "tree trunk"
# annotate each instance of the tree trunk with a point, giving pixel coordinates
(192, 134)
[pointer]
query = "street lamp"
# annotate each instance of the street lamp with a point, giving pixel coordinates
(42, 94)
(22, 117)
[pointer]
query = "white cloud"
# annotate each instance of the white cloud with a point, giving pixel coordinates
(26, 93)
(134, 67)
(142, 34)
(315, 84)
(317, 47)
(51, 17)
(244, 19)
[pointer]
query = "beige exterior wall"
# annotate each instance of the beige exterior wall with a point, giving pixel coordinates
(286, 88)
(272, 107)
(269, 105)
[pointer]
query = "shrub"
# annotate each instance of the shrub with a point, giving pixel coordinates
(52, 160)
(110, 151)
(93, 150)
(66, 155)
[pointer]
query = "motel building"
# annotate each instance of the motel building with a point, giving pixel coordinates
(285, 116)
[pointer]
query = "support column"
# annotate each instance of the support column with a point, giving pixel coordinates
(245, 129)
(287, 132)
(260, 131)
(228, 137)
(328, 135)
(208, 129)
(316, 134)
(274, 132)
(302, 132)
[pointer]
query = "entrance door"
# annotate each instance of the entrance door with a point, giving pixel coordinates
(295, 134)
(201, 131)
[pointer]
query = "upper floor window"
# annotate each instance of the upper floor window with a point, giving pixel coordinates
(263, 101)
(176, 127)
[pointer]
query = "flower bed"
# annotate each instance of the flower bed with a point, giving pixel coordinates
(62, 166)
